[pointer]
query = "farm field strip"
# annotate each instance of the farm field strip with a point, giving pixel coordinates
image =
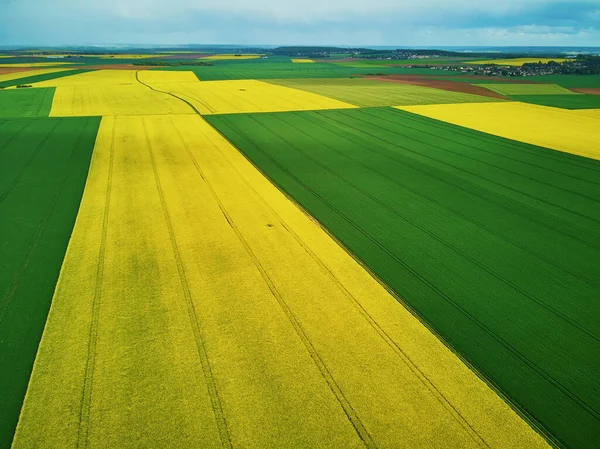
(202, 281)
(96, 78)
(406, 201)
(26, 102)
(166, 76)
(125, 56)
(594, 113)
(38, 64)
(109, 100)
(27, 73)
(588, 90)
(232, 57)
(568, 81)
(365, 93)
(436, 82)
(268, 69)
(222, 97)
(560, 130)
(43, 167)
(527, 89)
(29, 81)
(573, 102)
(517, 61)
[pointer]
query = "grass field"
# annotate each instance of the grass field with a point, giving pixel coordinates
(227, 97)
(364, 93)
(518, 61)
(527, 89)
(43, 168)
(220, 308)
(26, 102)
(458, 223)
(578, 101)
(560, 130)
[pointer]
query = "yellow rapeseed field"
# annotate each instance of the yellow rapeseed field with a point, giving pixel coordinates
(115, 92)
(594, 113)
(93, 79)
(517, 62)
(166, 76)
(554, 128)
(27, 73)
(301, 61)
(198, 307)
(117, 99)
(227, 97)
(115, 77)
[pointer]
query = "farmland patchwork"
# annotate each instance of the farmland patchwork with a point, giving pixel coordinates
(277, 252)
(202, 281)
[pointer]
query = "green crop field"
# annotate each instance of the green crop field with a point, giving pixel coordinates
(26, 102)
(43, 168)
(568, 81)
(488, 240)
(365, 93)
(253, 69)
(38, 78)
(527, 89)
(579, 101)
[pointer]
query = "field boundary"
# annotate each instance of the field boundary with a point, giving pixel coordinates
(527, 417)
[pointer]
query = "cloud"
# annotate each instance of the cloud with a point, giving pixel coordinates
(341, 22)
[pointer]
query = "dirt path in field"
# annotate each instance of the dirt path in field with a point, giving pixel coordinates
(439, 84)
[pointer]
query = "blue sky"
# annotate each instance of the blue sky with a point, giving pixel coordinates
(304, 22)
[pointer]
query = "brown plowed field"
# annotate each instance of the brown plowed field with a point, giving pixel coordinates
(588, 90)
(4, 70)
(439, 84)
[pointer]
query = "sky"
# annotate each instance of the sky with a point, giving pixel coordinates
(301, 22)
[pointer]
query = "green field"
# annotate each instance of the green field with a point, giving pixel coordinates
(367, 93)
(487, 240)
(568, 80)
(26, 102)
(263, 69)
(39, 78)
(400, 62)
(527, 89)
(580, 101)
(43, 168)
